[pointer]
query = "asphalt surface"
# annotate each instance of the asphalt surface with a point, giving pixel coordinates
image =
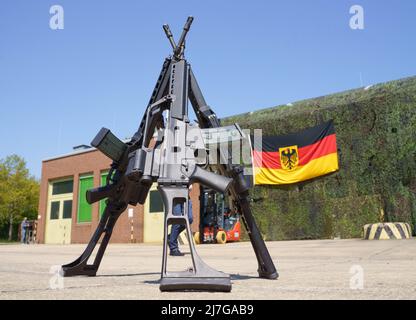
(321, 269)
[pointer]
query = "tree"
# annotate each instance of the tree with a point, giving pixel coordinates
(19, 192)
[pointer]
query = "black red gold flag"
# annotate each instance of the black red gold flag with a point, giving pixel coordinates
(295, 157)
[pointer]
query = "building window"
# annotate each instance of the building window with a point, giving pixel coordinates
(84, 208)
(156, 202)
(67, 212)
(62, 187)
(54, 210)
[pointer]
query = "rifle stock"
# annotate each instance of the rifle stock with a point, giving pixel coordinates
(210, 179)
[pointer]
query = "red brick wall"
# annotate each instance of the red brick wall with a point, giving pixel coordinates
(75, 166)
(94, 162)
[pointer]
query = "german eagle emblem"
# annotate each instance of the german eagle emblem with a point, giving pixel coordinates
(289, 157)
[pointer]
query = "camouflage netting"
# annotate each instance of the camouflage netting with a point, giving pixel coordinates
(376, 136)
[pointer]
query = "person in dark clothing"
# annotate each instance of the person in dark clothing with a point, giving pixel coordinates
(178, 228)
(24, 231)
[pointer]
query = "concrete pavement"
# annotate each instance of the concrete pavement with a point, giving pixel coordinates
(313, 269)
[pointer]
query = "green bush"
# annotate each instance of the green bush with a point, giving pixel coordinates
(376, 137)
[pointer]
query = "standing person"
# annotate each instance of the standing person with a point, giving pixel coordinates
(178, 228)
(24, 230)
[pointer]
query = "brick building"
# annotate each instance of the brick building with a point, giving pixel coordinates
(65, 216)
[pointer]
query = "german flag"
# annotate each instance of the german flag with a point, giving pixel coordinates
(295, 157)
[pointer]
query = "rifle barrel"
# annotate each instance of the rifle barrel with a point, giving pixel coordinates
(169, 36)
(181, 43)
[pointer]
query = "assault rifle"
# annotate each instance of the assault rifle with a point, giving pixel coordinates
(169, 150)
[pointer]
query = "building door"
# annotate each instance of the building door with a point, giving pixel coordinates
(153, 217)
(59, 213)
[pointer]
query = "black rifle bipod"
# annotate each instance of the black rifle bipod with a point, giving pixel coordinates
(80, 266)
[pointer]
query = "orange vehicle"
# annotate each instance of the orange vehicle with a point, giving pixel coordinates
(217, 223)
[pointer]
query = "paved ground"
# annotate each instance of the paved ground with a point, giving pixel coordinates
(322, 269)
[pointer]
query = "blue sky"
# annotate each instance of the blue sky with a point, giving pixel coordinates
(59, 87)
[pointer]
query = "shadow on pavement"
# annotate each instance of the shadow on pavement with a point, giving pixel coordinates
(129, 274)
(232, 276)
(242, 277)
